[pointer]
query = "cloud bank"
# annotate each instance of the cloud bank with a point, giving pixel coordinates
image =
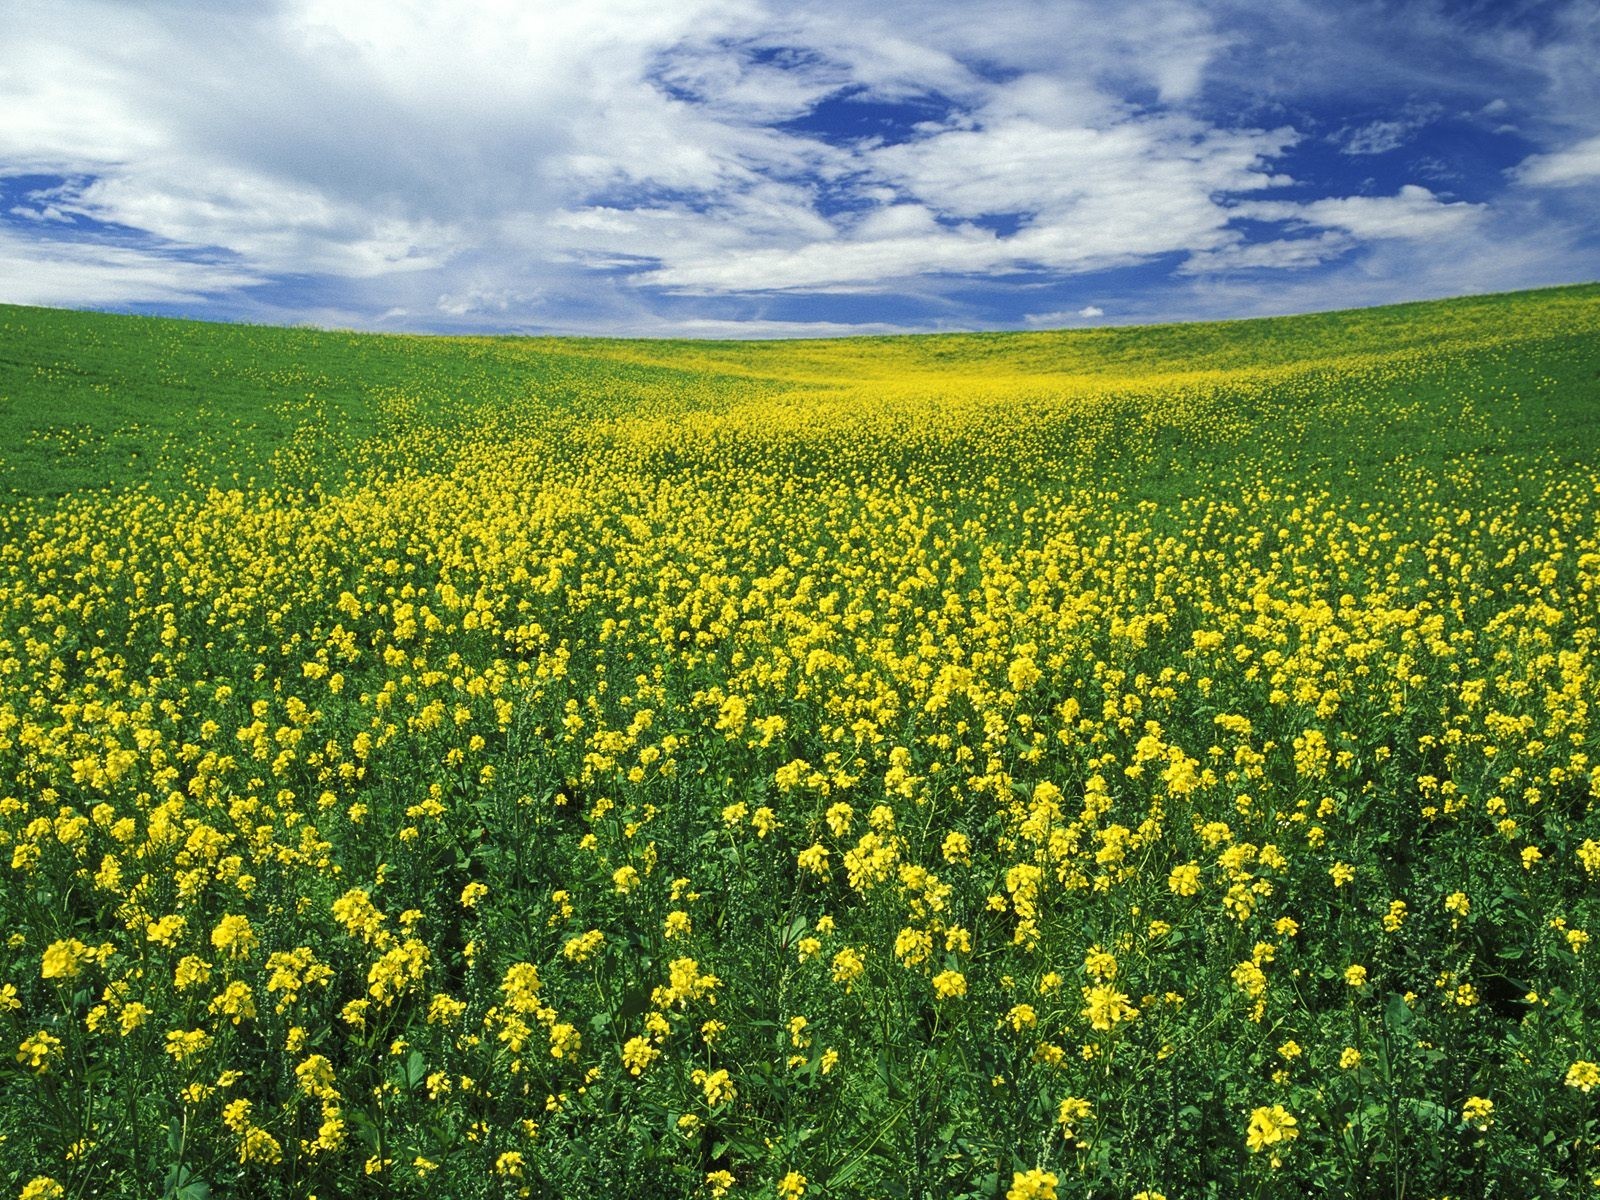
(745, 166)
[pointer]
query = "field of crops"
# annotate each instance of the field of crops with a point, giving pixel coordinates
(1130, 763)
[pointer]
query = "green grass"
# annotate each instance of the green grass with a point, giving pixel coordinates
(91, 400)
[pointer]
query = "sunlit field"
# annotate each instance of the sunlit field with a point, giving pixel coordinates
(1128, 763)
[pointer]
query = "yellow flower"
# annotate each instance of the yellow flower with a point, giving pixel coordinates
(63, 960)
(949, 985)
(1072, 1110)
(184, 1044)
(1356, 975)
(42, 1187)
(1457, 903)
(717, 1085)
(1185, 880)
(792, 1186)
(36, 1051)
(472, 893)
(1478, 1113)
(564, 1040)
(720, 1183)
(676, 925)
(1032, 1184)
(847, 967)
(1349, 1058)
(1020, 1017)
(233, 936)
(814, 859)
(638, 1054)
(1105, 1008)
(1583, 1075)
(1099, 965)
(1269, 1126)
(1342, 873)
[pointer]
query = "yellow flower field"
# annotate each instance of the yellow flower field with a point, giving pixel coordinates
(949, 767)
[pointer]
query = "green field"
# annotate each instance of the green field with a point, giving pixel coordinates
(1118, 763)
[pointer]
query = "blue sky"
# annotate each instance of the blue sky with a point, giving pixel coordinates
(760, 168)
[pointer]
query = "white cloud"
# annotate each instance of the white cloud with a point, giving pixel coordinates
(1061, 318)
(1413, 212)
(87, 275)
(1376, 137)
(1278, 254)
(1579, 163)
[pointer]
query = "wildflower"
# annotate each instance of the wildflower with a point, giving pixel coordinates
(42, 1187)
(64, 959)
(949, 985)
(1020, 1017)
(1269, 1126)
(184, 1044)
(1583, 1075)
(37, 1051)
(1477, 1113)
(1073, 1110)
(1099, 965)
(1105, 1008)
(847, 967)
(1395, 917)
(472, 893)
(638, 1054)
(1032, 1184)
(256, 1145)
(1342, 873)
(1349, 1058)
(717, 1085)
(1185, 880)
(814, 859)
(190, 972)
(676, 925)
(792, 1186)
(1457, 903)
(564, 1040)
(582, 947)
(913, 946)
(1356, 975)
(233, 936)
(720, 1183)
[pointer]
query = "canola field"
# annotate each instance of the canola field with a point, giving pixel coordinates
(1133, 763)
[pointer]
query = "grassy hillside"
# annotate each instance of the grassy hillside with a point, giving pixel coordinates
(1132, 763)
(93, 400)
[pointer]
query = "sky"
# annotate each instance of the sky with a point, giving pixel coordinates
(754, 168)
